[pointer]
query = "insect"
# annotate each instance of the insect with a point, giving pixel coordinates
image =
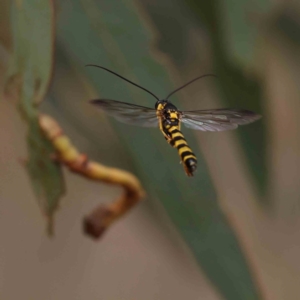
(168, 118)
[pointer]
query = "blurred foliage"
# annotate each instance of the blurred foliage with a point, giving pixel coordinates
(46, 175)
(240, 24)
(29, 73)
(231, 37)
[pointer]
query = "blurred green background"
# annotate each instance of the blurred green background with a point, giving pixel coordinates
(232, 231)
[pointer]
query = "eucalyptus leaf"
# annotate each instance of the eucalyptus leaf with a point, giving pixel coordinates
(33, 40)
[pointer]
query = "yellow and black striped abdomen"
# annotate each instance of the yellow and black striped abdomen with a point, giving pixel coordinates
(187, 156)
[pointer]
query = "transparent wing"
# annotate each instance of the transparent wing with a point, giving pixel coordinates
(217, 119)
(128, 113)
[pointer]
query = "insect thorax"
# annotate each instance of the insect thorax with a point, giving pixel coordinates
(169, 122)
(169, 113)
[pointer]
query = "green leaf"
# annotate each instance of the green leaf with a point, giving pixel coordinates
(110, 33)
(237, 88)
(242, 23)
(32, 24)
(33, 39)
(46, 175)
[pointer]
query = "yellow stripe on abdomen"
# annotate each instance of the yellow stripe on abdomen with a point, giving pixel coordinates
(186, 154)
(184, 149)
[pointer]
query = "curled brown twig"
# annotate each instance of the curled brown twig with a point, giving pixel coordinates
(66, 153)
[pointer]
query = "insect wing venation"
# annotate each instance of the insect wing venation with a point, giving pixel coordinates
(128, 113)
(217, 119)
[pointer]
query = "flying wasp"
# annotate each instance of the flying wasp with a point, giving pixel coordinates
(168, 118)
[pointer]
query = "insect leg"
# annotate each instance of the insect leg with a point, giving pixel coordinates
(163, 130)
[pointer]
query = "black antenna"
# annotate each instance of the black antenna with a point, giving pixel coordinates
(124, 79)
(206, 75)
